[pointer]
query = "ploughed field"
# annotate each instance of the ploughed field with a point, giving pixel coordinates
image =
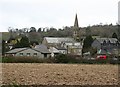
(59, 74)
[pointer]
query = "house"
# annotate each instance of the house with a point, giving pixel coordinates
(55, 41)
(62, 50)
(64, 45)
(67, 45)
(54, 51)
(74, 48)
(106, 45)
(86, 55)
(36, 52)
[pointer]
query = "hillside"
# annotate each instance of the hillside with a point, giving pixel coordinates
(36, 35)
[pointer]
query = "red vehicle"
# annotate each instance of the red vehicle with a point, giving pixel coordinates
(101, 57)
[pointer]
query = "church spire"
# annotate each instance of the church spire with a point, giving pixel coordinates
(76, 22)
(76, 29)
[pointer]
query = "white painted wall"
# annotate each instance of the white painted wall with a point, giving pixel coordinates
(31, 53)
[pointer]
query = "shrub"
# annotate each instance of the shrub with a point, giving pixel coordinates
(61, 58)
(10, 59)
(0, 59)
(26, 59)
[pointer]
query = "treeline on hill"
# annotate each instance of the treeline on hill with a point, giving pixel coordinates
(38, 34)
(29, 36)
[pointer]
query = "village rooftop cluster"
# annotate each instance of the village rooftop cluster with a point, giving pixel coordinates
(74, 45)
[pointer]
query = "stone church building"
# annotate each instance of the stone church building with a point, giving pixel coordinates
(67, 45)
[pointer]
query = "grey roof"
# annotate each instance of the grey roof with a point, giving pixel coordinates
(53, 50)
(74, 44)
(61, 48)
(112, 40)
(109, 51)
(41, 48)
(58, 39)
(16, 50)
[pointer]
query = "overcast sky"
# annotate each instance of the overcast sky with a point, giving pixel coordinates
(56, 13)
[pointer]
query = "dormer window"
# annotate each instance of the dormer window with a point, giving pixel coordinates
(108, 41)
(117, 43)
(104, 42)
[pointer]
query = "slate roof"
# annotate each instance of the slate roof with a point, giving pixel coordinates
(53, 50)
(74, 45)
(61, 48)
(16, 50)
(112, 40)
(41, 48)
(58, 39)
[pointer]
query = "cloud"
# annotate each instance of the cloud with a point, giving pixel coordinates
(56, 13)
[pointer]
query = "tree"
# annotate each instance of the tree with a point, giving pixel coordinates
(88, 31)
(114, 35)
(52, 32)
(93, 51)
(87, 43)
(5, 48)
(35, 36)
(24, 42)
(34, 42)
(118, 30)
(32, 29)
(61, 58)
(39, 30)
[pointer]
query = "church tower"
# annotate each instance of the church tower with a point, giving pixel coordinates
(76, 29)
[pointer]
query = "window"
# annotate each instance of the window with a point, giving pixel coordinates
(35, 54)
(109, 43)
(45, 55)
(117, 43)
(104, 42)
(28, 54)
(21, 54)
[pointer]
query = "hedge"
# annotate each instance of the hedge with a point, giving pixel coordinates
(25, 60)
(61, 58)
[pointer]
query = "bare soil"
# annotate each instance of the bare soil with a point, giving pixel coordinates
(59, 74)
